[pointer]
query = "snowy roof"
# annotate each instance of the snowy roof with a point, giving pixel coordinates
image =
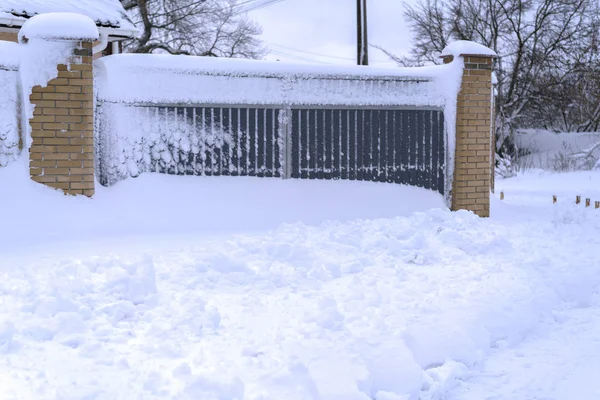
(105, 13)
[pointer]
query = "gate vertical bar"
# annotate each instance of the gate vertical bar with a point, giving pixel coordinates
(287, 139)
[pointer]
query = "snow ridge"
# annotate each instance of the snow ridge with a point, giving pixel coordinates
(383, 309)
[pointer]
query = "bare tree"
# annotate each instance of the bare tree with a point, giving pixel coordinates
(217, 28)
(571, 101)
(540, 44)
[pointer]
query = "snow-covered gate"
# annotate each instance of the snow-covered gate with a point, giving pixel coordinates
(293, 122)
(396, 145)
(373, 144)
(427, 127)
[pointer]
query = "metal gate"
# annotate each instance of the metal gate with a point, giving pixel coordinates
(238, 141)
(382, 145)
(404, 146)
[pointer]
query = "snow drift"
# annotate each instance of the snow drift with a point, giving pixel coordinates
(395, 308)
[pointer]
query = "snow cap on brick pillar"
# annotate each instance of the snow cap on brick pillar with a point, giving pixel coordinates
(473, 159)
(61, 144)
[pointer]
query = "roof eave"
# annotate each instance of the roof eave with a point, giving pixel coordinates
(12, 22)
(118, 33)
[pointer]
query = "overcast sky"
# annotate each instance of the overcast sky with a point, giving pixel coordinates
(295, 28)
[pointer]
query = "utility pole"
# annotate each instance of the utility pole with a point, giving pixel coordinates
(362, 42)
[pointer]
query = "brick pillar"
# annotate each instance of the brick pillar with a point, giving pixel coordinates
(493, 138)
(473, 158)
(62, 128)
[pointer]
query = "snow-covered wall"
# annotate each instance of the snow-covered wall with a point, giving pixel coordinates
(166, 79)
(9, 103)
(131, 140)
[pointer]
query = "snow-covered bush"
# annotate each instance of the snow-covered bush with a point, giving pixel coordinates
(505, 167)
(155, 139)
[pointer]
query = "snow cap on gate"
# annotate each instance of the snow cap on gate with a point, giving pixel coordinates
(59, 26)
(467, 48)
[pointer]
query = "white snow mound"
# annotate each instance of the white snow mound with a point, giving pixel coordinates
(59, 26)
(466, 47)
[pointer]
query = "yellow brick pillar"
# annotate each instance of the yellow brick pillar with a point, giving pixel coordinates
(62, 128)
(473, 157)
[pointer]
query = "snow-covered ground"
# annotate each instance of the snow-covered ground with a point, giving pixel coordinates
(558, 361)
(167, 287)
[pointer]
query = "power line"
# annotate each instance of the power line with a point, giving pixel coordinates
(258, 4)
(246, 3)
(308, 52)
(297, 57)
(236, 9)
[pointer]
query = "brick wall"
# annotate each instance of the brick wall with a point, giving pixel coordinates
(493, 140)
(62, 150)
(9, 36)
(473, 162)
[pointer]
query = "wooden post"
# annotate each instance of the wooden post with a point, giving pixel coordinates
(597, 204)
(554, 199)
(587, 202)
(501, 195)
(577, 199)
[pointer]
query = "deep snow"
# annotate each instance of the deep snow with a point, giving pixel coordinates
(558, 361)
(136, 294)
(155, 204)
